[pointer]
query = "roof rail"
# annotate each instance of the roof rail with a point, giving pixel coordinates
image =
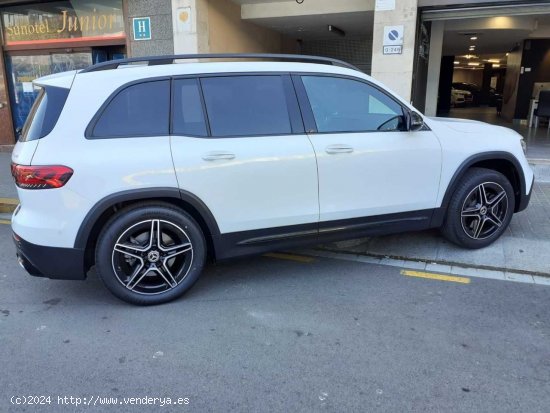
(169, 59)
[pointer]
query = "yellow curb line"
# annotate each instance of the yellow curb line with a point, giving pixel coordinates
(440, 277)
(5, 222)
(290, 257)
(10, 201)
(8, 205)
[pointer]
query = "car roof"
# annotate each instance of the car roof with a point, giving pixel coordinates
(138, 71)
(114, 78)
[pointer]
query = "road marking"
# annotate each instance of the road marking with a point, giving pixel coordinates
(5, 221)
(440, 277)
(11, 201)
(489, 274)
(290, 257)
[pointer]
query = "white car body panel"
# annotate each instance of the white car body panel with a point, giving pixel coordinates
(461, 139)
(271, 182)
(54, 216)
(387, 172)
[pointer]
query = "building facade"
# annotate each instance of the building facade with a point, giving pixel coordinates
(46, 37)
(411, 45)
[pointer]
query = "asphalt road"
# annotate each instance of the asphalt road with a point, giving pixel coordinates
(270, 334)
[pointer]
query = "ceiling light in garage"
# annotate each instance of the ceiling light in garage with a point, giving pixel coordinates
(457, 62)
(473, 38)
(473, 63)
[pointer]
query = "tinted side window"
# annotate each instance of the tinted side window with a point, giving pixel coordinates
(187, 115)
(346, 105)
(139, 110)
(246, 105)
(44, 113)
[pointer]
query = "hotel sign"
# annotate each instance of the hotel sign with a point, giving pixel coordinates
(63, 21)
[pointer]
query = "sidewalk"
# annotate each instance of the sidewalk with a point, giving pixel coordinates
(524, 248)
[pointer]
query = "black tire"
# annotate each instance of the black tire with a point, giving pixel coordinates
(465, 213)
(163, 266)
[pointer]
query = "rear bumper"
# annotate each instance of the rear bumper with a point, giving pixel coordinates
(50, 262)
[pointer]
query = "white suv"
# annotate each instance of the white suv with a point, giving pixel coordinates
(146, 167)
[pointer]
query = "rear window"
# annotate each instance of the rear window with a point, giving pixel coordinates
(138, 110)
(44, 113)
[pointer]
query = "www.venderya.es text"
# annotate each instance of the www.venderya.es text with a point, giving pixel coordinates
(96, 400)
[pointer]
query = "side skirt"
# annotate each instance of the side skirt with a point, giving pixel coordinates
(238, 244)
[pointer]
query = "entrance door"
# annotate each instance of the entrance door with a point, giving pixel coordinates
(7, 136)
(368, 164)
(21, 70)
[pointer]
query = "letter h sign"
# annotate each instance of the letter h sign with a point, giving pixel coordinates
(142, 28)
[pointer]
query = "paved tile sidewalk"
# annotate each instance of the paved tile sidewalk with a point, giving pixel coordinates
(524, 247)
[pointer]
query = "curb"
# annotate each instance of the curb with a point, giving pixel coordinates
(8, 205)
(435, 262)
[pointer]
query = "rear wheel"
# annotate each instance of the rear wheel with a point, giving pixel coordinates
(150, 253)
(480, 209)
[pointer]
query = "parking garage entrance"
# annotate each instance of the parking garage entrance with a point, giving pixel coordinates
(488, 64)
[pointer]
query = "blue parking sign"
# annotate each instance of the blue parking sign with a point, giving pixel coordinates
(142, 28)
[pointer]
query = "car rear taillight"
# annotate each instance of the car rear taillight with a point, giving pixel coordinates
(40, 177)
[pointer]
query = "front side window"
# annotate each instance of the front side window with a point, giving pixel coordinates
(347, 105)
(138, 110)
(246, 105)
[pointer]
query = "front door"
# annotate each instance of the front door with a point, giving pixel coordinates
(368, 164)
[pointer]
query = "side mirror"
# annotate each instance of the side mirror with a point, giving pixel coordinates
(415, 122)
(18, 132)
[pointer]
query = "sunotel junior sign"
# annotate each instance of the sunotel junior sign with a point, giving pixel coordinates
(61, 22)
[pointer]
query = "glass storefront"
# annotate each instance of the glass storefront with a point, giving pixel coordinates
(25, 69)
(52, 37)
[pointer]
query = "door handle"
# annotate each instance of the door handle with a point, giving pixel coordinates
(218, 156)
(338, 148)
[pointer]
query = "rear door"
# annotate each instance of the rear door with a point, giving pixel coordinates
(239, 145)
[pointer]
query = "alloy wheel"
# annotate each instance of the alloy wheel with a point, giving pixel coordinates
(152, 256)
(484, 210)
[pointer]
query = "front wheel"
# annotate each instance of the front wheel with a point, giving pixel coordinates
(480, 209)
(150, 253)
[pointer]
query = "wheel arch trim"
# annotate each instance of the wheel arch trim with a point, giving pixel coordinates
(142, 194)
(468, 163)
